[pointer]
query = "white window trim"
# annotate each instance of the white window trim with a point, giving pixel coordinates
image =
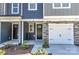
(21, 8)
(4, 8)
(61, 6)
(14, 7)
(32, 9)
(32, 27)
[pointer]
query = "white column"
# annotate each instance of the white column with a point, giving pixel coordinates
(0, 32)
(22, 31)
(4, 8)
(19, 30)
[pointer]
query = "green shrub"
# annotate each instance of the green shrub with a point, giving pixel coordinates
(40, 51)
(25, 46)
(2, 52)
(45, 43)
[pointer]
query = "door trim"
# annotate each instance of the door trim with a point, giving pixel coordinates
(12, 30)
(36, 30)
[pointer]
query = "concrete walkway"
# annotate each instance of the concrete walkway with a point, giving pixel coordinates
(12, 42)
(60, 49)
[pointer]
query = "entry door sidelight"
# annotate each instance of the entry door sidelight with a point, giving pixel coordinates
(15, 31)
(39, 31)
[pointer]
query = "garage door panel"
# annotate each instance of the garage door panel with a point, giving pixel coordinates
(61, 34)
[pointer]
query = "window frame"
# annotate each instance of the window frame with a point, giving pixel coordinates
(12, 11)
(32, 9)
(61, 6)
(31, 28)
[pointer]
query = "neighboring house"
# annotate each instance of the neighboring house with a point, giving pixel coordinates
(59, 22)
(63, 22)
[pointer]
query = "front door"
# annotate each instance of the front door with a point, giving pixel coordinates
(39, 31)
(15, 31)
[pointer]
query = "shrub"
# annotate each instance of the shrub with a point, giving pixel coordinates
(45, 43)
(40, 51)
(25, 46)
(2, 52)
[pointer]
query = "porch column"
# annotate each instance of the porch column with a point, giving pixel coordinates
(19, 32)
(0, 32)
(22, 31)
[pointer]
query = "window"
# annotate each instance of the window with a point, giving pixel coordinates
(15, 8)
(31, 27)
(65, 5)
(32, 6)
(57, 5)
(61, 5)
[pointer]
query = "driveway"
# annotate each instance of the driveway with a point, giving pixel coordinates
(60, 49)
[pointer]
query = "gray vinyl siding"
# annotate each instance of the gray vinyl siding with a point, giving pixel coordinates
(9, 8)
(1, 8)
(5, 31)
(49, 11)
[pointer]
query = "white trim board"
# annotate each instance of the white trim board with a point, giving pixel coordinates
(22, 32)
(61, 19)
(32, 19)
(0, 32)
(12, 30)
(36, 30)
(4, 8)
(61, 16)
(21, 8)
(9, 20)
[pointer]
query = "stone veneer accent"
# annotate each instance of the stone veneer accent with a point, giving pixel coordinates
(45, 30)
(76, 33)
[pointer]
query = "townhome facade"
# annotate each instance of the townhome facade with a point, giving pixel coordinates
(58, 22)
(62, 19)
(20, 22)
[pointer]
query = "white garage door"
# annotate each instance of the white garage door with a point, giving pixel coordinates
(61, 34)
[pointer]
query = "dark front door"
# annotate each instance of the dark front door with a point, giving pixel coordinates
(39, 31)
(15, 31)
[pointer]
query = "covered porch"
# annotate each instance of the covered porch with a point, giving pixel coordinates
(15, 30)
(16, 42)
(10, 30)
(34, 31)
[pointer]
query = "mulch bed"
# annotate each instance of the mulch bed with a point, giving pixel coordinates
(17, 50)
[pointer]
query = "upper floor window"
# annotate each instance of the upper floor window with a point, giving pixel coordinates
(61, 5)
(32, 6)
(15, 8)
